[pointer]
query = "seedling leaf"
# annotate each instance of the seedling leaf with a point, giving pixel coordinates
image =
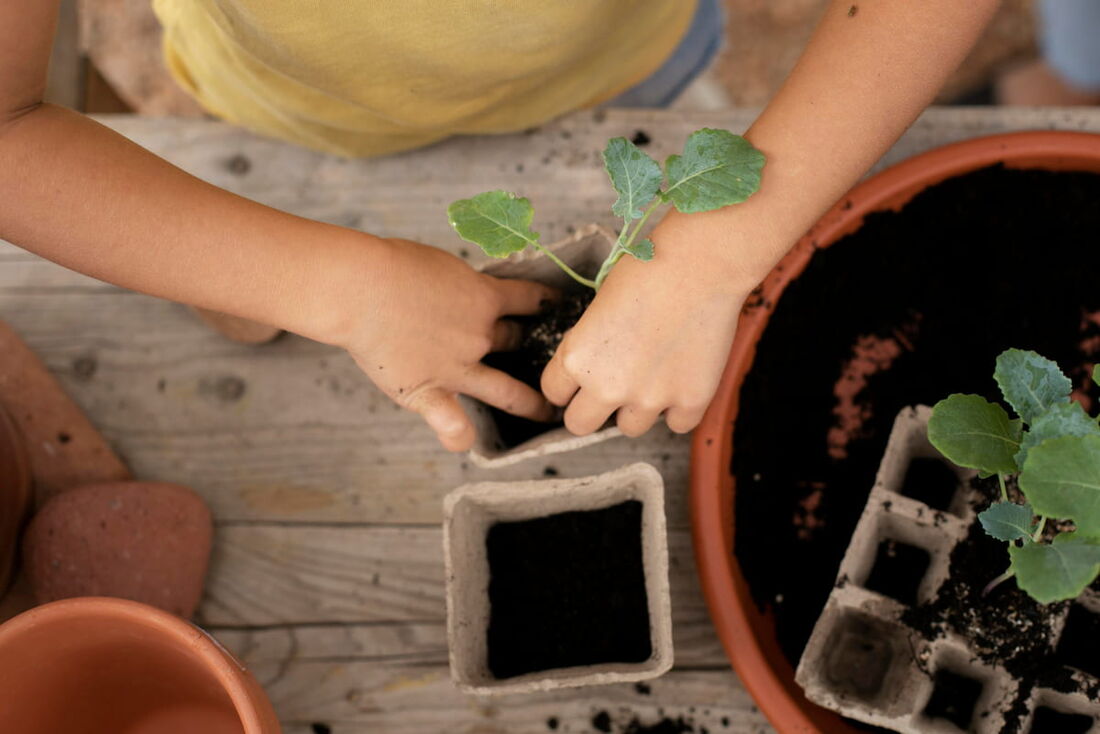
(498, 222)
(1058, 571)
(1007, 521)
(1062, 479)
(1096, 373)
(642, 250)
(975, 433)
(1060, 419)
(635, 176)
(1030, 383)
(717, 169)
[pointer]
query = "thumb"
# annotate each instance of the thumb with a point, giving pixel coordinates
(442, 412)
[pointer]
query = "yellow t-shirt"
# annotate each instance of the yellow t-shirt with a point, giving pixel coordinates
(366, 77)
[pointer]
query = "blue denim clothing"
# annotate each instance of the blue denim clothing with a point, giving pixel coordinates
(1070, 39)
(688, 61)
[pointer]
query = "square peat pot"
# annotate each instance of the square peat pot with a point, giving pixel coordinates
(554, 583)
(864, 661)
(584, 251)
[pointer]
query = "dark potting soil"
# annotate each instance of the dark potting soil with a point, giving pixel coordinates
(898, 570)
(953, 698)
(567, 589)
(667, 725)
(993, 259)
(541, 336)
(930, 481)
(1050, 721)
(1005, 625)
(602, 722)
(1079, 646)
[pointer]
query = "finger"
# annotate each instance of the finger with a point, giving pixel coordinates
(557, 385)
(587, 413)
(507, 335)
(522, 297)
(442, 412)
(684, 420)
(634, 421)
(495, 388)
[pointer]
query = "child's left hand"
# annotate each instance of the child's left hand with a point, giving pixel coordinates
(657, 336)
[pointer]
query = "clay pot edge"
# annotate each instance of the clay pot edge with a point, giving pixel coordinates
(249, 699)
(764, 671)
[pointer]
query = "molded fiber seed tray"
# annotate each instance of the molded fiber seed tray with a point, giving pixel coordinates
(865, 663)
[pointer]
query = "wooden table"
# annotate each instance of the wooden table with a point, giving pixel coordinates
(327, 576)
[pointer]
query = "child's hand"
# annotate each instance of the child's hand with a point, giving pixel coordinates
(428, 320)
(657, 336)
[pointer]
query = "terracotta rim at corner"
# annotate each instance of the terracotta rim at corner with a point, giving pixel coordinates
(15, 494)
(248, 697)
(747, 634)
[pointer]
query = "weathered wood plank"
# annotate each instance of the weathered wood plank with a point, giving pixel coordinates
(265, 575)
(300, 443)
(291, 431)
(379, 657)
(419, 642)
(558, 166)
(364, 697)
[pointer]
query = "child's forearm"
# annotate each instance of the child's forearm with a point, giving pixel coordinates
(867, 73)
(81, 195)
(869, 69)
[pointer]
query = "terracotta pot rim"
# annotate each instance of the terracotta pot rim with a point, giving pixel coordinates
(770, 680)
(21, 488)
(215, 658)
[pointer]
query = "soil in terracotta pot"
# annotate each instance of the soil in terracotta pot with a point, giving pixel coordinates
(914, 306)
(541, 336)
(567, 589)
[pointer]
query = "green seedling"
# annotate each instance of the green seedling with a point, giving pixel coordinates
(1053, 446)
(717, 169)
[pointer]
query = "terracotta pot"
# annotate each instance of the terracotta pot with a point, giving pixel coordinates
(747, 634)
(145, 541)
(100, 666)
(15, 493)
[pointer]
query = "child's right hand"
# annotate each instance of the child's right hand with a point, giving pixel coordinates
(421, 326)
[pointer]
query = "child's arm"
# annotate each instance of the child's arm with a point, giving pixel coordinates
(658, 334)
(416, 319)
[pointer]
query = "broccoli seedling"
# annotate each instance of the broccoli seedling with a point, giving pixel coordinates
(1053, 447)
(717, 169)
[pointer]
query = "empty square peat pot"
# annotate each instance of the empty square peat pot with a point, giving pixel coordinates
(557, 583)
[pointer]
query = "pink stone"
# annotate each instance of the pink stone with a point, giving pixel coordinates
(145, 541)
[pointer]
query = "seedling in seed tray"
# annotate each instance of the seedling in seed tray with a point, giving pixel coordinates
(1053, 448)
(716, 169)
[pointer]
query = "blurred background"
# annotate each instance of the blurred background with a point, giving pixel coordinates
(107, 57)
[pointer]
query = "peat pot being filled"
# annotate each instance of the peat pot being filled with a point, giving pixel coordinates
(716, 169)
(94, 665)
(558, 582)
(905, 292)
